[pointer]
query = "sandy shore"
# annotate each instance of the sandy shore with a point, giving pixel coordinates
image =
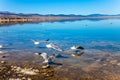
(19, 67)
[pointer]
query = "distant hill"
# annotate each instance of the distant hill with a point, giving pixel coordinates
(6, 16)
(98, 15)
(10, 18)
(11, 14)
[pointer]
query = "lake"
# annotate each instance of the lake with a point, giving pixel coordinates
(100, 38)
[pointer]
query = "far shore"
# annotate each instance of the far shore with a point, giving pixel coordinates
(22, 20)
(52, 18)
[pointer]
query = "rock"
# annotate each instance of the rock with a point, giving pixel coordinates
(1, 52)
(45, 66)
(23, 78)
(118, 64)
(98, 60)
(27, 71)
(15, 79)
(78, 54)
(3, 56)
(104, 64)
(2, 62)
(113, 61)
(29, 79)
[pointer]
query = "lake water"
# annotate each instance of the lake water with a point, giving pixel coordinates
(101, 40)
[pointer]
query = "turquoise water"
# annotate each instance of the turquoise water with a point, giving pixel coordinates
(97, 37)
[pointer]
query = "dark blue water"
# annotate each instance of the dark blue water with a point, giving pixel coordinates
(95, 36)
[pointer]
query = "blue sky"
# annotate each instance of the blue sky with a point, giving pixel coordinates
(83, 7)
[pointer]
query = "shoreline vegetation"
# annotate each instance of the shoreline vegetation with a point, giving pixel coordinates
(8, 17)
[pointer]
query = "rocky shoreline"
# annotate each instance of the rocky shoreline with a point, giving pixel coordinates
(106, 68)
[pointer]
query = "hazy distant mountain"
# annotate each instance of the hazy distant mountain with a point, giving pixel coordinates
(98, 15)
(103, 15)
(11, 14)
(9, 18)
(118, 14)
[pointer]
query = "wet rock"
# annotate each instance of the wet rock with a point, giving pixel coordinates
(15, 79)
(23, 78)
(2, 62)
(92, 67)
(118, 64)
(78, 54)
(113, 61)
(3, 56)
(29, 79)
(98, 60)
(45, 66)
(27, 71)
(104, 64)
(1, 52)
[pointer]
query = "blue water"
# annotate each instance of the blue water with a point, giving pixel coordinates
(95, 36)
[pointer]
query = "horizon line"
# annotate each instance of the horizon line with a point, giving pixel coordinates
(59, 13)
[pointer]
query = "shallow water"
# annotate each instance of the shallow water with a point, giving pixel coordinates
(99, 38)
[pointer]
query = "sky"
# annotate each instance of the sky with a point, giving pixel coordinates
(79, 7)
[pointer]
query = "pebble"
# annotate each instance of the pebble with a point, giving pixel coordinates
(14, 79)
(104, 64)
(113, 61)
(118, 64)
(3, 56)
(27, 71)
(1, 52)
(2, 62)
(29, 79)
(23, 78)
(78, 54)
(98, 60)
(46, 66)
(8, 72)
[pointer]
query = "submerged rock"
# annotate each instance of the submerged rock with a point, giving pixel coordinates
(78, 54)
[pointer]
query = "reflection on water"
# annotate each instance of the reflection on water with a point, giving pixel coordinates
(9, 23)
(99, 38)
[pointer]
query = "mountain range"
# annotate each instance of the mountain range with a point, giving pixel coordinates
(11, 14)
